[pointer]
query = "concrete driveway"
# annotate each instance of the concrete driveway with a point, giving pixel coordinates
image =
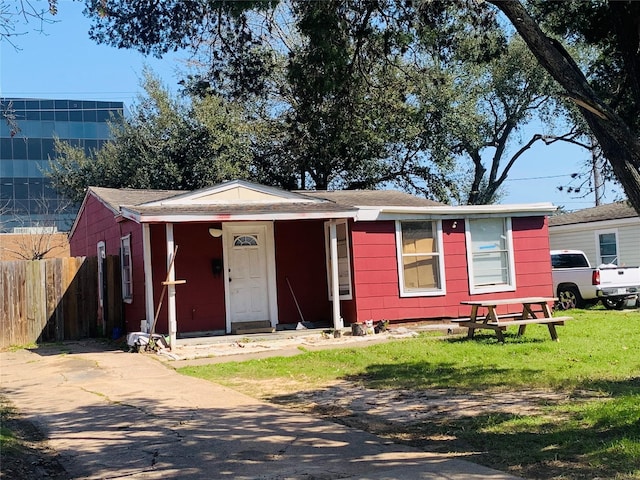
(117, 415)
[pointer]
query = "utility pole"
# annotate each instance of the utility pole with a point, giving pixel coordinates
(598, 182)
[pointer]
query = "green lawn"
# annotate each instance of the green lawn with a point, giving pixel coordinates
(595, 432)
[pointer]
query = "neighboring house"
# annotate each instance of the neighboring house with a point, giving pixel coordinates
(251, 253)
(606, 234)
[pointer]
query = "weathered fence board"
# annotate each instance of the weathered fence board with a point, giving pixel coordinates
(56, 299)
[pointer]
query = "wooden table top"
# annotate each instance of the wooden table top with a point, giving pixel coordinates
(509, 301)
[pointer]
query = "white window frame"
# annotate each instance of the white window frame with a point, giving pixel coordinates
(422, 292)
(510, 286)
(101, 253)
(597, 241)
(125, 245)
(327, 249)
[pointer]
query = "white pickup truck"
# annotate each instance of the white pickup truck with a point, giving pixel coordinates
(576, 283)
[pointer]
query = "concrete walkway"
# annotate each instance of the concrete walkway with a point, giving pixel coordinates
(117, 415)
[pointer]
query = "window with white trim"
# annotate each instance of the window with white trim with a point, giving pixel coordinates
(420, 259)
(344, 259)
(126, 268)
(490, 255)
(102, 255)
(607, 246)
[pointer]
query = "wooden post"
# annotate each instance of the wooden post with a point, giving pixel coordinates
(335, 280)
(171, 288)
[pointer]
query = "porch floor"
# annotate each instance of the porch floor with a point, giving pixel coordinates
(221, 348)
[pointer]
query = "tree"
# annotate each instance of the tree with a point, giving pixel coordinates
(12, 14)
(359, 85)
(164, 144)
(341, 113)
(348, 121)
(611, 113)
(484, 109)
(330, 88)
(40, 238)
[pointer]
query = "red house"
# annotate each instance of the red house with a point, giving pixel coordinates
(251, 253)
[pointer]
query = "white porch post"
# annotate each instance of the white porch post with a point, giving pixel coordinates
(335, 281)
(148, 275)
(171, 288)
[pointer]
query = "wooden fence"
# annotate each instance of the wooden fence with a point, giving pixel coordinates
(57, 299)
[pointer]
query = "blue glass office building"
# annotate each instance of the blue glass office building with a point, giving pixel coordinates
(26, 196)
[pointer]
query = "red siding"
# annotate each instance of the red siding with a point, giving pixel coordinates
(98, 223)
(532, 258)
(376, 272)
(300, 258)
(200, 302)
(300, 262)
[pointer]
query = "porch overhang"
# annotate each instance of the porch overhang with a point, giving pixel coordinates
(236, 213)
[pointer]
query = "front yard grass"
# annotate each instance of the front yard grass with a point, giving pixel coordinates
(594, 431)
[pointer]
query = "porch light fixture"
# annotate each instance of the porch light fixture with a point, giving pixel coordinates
(215, 232)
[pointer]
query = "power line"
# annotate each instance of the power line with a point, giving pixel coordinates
(538, 178)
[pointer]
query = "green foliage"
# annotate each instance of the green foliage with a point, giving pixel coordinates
(330, 85)
(426, 96)
(609, 29)
(608, 95)
(164, 144)
(482, 111)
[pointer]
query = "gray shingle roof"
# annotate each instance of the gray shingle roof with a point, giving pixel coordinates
(335, 201)
(119, 197)
(371, 198)
(610, 211)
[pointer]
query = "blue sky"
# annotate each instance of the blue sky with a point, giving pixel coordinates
(63, 62)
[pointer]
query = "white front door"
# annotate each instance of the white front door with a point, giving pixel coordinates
(249, 258)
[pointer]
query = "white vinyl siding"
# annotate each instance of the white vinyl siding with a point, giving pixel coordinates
(583, 237)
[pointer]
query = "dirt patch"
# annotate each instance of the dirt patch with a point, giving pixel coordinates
(25, 450)
(431, 419)
(407, 406)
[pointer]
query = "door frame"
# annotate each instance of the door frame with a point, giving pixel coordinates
(267, 230)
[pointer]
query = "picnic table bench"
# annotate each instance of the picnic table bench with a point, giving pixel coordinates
(534, 310)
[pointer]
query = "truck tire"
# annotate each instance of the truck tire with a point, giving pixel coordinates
(613, 303)
(569, 297)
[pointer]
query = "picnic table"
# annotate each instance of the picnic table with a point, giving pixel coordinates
(534, 310)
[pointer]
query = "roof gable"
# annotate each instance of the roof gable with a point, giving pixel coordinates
(234, 192)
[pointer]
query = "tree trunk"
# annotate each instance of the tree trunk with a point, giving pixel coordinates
(619, 144)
